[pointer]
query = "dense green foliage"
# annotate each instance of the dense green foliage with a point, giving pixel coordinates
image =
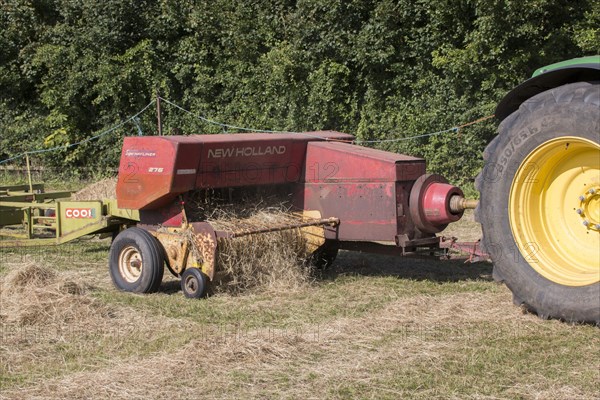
(375, 68)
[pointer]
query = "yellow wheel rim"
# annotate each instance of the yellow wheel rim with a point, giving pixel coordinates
(554, 210)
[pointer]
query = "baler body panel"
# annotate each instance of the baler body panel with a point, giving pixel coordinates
(366, 189)
(367, 211)
(344, 162)
(154, 170)
(369, 191)
(261, 160)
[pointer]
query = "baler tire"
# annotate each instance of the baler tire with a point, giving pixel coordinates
(324, 256)
(136, 245)
(193, 283)
(554, 275)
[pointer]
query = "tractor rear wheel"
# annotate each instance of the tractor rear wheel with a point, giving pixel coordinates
(540, 203)
(136, 261)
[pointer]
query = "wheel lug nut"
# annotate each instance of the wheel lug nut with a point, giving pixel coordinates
(581, 198)
(597, 226)
(579, 211)
(592, 191)
(586, 222)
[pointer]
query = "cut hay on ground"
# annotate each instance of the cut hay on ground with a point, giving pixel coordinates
(34, 294)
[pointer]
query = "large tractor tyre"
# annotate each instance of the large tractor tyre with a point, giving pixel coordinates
(540, 203)
(136, 261)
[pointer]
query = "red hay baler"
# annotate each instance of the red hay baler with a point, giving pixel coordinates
(344, 196)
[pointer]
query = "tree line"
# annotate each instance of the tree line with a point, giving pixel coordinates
(378, 69)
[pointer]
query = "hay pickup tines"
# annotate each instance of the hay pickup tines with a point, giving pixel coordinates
(340, 196)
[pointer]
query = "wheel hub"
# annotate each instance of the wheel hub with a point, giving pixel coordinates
(589, 208)
(130, 264)
(554, 210)
(191, 284)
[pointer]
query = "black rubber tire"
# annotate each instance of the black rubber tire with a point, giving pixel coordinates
(152, 257)
(325, 255)
(572, 109)
(194, 283)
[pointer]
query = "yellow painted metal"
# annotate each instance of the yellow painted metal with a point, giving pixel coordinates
(75, 215)
(71, 220)
(314, 235)
(113, 210)
(554, 210)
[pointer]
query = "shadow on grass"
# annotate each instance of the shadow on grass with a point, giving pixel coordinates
(170, 287)
(364, 264)
(98, 248)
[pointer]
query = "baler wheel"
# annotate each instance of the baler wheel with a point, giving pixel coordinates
(136, 261)
(193, 283)
(540, 203)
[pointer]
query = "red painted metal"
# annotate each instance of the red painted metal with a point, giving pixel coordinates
(436, 203)
(366, 189)
(154, 170)
(343, 162)
(430, 203)
(376, 196)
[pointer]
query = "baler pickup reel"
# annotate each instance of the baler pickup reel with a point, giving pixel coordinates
(195, 244)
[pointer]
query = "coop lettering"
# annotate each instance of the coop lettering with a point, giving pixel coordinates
(246, 151)
(80, 213)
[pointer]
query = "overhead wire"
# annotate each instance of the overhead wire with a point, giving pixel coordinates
(64, 147)
(134, 119)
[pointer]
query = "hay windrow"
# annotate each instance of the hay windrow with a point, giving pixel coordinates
(31, 274)
(104, 189)
(34, 294)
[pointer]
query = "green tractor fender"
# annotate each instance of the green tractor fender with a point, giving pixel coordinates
(549, 77)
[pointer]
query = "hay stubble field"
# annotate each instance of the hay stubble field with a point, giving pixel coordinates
(370, 327)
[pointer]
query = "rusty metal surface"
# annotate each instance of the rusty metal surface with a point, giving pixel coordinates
(204, 247)
(176, 246)
(429, 251)
(245, 232)
(473, 250)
